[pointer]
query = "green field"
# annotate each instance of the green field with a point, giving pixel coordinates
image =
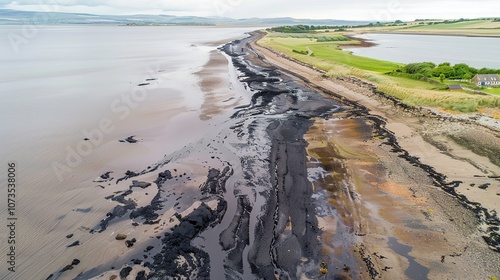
(329, 57)
(329, 52)
(480, 27)
(495, 91)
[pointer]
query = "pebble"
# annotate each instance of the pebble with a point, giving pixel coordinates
(120, 236)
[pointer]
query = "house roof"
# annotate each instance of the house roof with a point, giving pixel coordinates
(454, 86)
(487, 77)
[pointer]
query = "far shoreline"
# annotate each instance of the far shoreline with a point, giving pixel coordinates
(425, 33)
(365, 43)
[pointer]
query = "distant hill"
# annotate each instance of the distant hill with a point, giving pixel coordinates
(17, 17)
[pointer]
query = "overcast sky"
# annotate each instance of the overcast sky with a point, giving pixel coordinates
(371, 10)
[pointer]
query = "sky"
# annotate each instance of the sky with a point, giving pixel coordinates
(369, 10)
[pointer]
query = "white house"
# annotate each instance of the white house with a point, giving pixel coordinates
(487, 80)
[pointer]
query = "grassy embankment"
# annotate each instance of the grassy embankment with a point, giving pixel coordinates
(328, 56)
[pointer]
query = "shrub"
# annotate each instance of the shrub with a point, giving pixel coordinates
(300, 52)
(420, 67)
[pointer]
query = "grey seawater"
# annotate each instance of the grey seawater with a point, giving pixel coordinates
(61, 84)
(475, 51)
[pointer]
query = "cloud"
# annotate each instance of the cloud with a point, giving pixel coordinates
(373, 10)
(115, 6)
(333, 9)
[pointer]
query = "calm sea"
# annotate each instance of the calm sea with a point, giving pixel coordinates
(61, 84)
(475, 51)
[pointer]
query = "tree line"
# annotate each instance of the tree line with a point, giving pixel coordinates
(307, 28)
(302, 28)
(422, 70)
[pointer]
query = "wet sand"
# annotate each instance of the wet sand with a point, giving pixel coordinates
(236, 204)
(397, 180)
(287, 174)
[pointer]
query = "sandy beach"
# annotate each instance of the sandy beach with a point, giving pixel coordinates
(259, 167)
(392, 192)
(308, 170)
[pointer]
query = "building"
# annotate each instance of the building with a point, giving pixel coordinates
(486, 80)
(454, 87)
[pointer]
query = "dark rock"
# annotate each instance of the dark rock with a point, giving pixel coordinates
(484, 186)
(131, 139)
(131, 173)
(216, 181)
(128, 174)
(149, 248)
(66, 268)
(69, 235)
(119, 210)
(386, 268)
(141, 275)
(70, 266)
(130, 243)
(138, 184)
(76, 243)
(163, 176)
(83, 210)
(147, 212)
(186, 229)
(178, 243)
(106, 175)
(121, 198)
(125, 272)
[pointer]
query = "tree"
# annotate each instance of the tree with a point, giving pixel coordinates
(487, 71)
(421, 67)
(461, 69)
(441, 78)
(448, 71)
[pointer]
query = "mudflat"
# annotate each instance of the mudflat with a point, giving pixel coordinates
(411, 183)
(295, 173)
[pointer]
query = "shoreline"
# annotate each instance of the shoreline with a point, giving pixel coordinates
(365, 43)
(430, 34)
(265, 192)
(406, 126)
(365, 94)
